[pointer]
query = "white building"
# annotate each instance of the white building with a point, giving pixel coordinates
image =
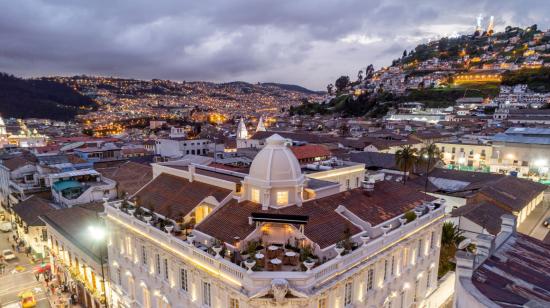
(271, 238)
(178, 147)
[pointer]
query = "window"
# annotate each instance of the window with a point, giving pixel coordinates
(385, 269)
(146, 299)
(347, 294)
(206, 297)
(166, 269)
(129, 245)
(255, 195)
(118, 277)
(356, 182)
(403, 299)
(347, 184)
(429, 279)
(392, 265)
(143, 255)
(405, 256)
(233, 303)
(282, 197)
(322, 303)
(370, 279)
(419, 250)
(183, 279)
(432, 239)
(44, 235)
(158, 264)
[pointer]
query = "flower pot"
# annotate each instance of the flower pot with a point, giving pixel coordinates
(249, 263)
(169, 228)
(309, 264)
(217, 250)
(339, 251)
(131, 211)
(190, 238)
(386, 229)
(147, 219)
(365, 238)
(402, 221)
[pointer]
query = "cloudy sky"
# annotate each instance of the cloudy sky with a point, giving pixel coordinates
(306, 42)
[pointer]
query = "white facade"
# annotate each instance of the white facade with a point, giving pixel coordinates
(179, 147)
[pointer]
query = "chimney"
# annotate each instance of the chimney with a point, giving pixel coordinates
(464, 264)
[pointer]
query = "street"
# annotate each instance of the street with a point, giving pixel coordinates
(532, 225)
(15, 281)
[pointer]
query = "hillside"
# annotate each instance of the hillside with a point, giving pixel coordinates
(29, 98)
(441, 71)
(291, 87)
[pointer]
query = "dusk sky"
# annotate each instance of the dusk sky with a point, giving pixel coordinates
(309, 42)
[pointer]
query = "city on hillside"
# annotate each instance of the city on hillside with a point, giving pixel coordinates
(423, 182)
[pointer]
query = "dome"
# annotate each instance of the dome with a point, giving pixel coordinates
(276, 163)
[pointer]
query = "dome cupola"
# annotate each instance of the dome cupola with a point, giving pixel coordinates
(275, 178)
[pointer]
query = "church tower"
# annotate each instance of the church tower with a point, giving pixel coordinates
(242, 135)
(261, 126)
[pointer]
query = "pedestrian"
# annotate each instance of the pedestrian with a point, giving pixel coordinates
(37, 276)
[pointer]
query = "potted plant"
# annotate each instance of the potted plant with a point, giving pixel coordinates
(169, 226)
(190, 238)
(309, 263)
(217, 247)
(250, 264)
(409, 216)
(147, 217)
(339, 247)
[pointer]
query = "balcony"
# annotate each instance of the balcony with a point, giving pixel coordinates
(254, 277)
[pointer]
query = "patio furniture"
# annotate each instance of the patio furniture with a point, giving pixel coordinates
(276, 264)
(290, 258)
(260, 259)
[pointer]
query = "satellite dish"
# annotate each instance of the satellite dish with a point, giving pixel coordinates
(464, 243)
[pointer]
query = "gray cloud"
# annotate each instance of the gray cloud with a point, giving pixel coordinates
(307, 42)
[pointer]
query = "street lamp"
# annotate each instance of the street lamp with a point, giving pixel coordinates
(97, 232)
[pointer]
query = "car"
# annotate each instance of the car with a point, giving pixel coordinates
(546, 222)
(8, 254)
(5, 226)
(27, 299)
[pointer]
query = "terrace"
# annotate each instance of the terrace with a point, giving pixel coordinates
(254, 261)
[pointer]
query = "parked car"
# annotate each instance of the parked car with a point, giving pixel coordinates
(546, 222)
(8, 254)
(27, 299)
(5, 226)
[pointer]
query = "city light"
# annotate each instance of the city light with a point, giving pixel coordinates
(97, 233)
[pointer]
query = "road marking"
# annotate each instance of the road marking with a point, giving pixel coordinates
(20, 287)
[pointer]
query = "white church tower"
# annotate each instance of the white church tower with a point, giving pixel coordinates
(242, 135)
(261, 125)
(3, 133)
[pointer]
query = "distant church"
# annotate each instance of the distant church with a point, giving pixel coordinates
(243, 139)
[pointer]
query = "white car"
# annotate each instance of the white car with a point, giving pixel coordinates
(8, 255)
(5, 226)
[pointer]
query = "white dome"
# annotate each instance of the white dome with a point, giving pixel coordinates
(276, 163)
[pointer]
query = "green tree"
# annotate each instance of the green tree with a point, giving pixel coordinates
(429, 156)
(341, 83)
(405, 158)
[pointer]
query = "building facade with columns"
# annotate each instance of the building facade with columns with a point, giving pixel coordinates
(271, 238)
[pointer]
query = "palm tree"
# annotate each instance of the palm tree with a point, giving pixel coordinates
(429, 155)
(405, 158)
(451, 235)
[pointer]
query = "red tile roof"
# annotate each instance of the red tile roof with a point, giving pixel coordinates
(325, 226)
(175, 197)
(310, 151)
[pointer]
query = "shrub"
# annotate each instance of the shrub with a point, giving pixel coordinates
(410, 216)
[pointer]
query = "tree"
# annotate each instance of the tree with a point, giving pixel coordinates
(429, 155)
(360, 75)
(404, 53)
(405, 158)
(342, 83)
(329, 89)
(369, 71)
(450, 234)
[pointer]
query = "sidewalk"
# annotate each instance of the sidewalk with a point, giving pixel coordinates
(59, 300)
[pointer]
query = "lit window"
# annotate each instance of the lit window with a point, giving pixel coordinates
(206, 297)
(282, 197)
(255, 195)
(183, 279)
(347, 294)
(233, 303)
(322, 303)
(370, 279)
